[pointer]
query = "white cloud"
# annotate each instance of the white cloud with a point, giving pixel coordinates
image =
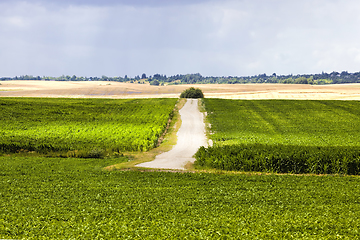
(210, 37)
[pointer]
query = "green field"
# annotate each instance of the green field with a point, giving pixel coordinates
(67, 198)
(79, 127)
(75, 198)
(283, 136)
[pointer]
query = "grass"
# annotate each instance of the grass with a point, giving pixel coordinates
(82, 127)
(289, 122)
(73, 198)
(57, 198)
(167, 143)
(283, 136)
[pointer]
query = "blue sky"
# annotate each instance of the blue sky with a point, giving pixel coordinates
(211, 37)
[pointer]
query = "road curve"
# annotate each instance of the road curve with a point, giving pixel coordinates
(190, 137)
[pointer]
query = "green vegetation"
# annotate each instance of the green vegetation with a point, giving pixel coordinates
(76, 198)
(192, 93)
(82, 127)
(283, 136)
(281, 158)
(155, 83)
(159, 79)
(57, 198)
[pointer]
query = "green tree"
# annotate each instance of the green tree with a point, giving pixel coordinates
(155, 83)
(192, 93)
(301, 80)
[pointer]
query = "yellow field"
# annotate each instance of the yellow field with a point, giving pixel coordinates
(97, 89)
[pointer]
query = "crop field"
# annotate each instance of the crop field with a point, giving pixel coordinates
(69, 198)
(283, 136)
(105, 89)
(75, 198)
(82, 127)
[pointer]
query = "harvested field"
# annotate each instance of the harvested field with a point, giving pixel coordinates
(98, 89)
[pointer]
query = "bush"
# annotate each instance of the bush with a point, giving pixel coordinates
(155, 83)
(192, 93)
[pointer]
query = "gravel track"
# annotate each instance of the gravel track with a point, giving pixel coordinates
(190, 137)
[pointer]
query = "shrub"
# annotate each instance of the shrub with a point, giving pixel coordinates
(192, 93)
(155, 83)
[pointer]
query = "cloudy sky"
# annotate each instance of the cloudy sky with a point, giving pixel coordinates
(211, 37)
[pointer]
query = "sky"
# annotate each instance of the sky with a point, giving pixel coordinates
(210, 37)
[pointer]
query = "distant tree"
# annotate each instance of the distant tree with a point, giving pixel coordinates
(155, 82)
(262, 75)
(192, 93)
(344, 74)
(288, 80)
(334, 74)
(301, 80)
(320, 78)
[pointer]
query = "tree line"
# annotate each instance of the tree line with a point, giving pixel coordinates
(197, 78)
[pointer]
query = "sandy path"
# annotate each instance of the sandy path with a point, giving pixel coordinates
(191, 136)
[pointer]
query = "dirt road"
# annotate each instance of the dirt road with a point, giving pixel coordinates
(191, 136)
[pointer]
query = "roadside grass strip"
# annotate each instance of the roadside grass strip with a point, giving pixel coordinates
(71, 198)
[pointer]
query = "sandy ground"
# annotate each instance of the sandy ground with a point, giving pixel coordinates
(96, 89)
(191, 136)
